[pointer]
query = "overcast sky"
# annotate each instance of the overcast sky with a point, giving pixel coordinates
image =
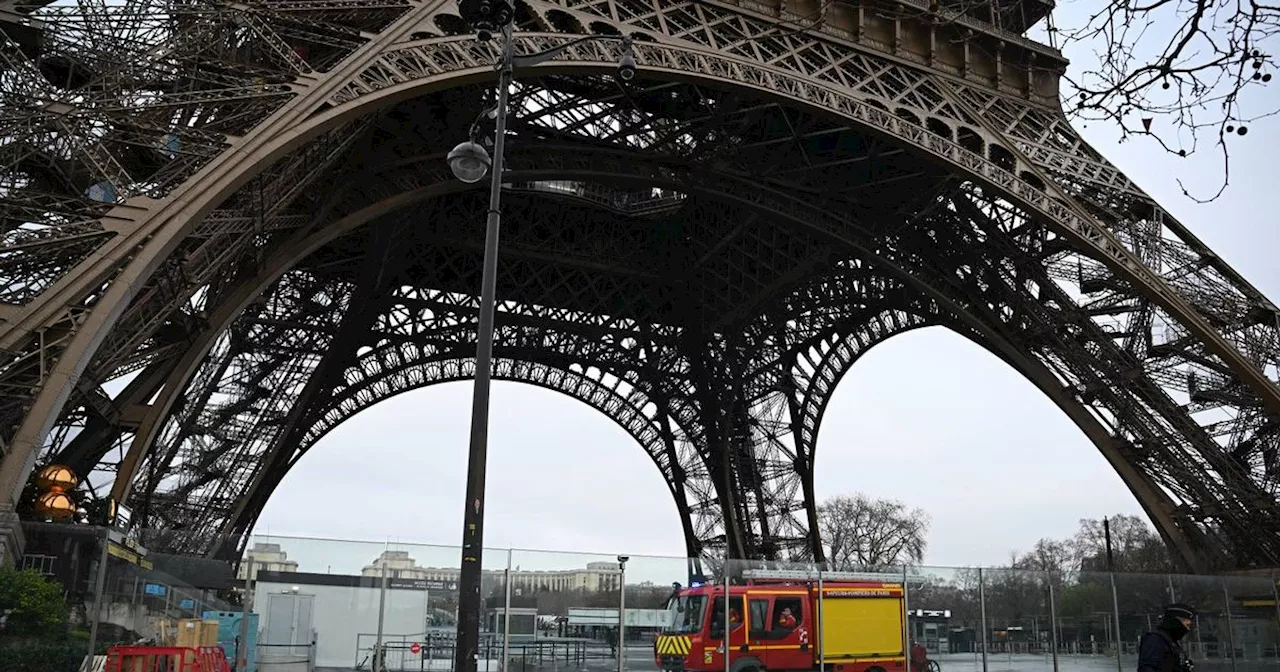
(927, 418)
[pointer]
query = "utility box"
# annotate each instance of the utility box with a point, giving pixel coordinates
(229, 634)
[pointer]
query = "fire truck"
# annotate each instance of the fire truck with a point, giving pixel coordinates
(775, 622)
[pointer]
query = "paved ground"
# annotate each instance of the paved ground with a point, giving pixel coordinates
(640, 659)
(1029, 663)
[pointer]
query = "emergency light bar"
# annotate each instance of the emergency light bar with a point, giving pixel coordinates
(810, 575)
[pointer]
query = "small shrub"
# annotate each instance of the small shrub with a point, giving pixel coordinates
(41, 656)
(31, 606)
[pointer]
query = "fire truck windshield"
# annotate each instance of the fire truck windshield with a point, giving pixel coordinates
(685, 613)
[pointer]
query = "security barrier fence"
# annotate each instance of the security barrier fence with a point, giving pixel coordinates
(294, 603)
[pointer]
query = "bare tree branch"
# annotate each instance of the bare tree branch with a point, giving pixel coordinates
(1135, 548)
(1175, 71)
(865, 533)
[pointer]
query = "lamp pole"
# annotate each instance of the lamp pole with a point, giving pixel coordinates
(469, 578)
(468, 161)
(622, 612)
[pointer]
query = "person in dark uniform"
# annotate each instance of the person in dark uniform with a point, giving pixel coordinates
(1161, 651)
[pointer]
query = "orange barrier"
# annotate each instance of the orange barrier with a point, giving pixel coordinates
(166, 659)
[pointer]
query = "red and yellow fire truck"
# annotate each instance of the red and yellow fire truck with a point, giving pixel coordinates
(775, 623)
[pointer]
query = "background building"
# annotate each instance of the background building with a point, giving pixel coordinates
(595, 577)
(266, 558)
(930, 628)
(593, 623)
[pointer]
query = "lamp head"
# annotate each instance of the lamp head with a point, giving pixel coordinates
(627, 63)
(469, 162)
(486, 16)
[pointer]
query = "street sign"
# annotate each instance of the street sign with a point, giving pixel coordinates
(422, 584)
(415, 649)
(409, 584)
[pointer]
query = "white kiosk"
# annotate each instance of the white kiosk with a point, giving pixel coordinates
(324, 616)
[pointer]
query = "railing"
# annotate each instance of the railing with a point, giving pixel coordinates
(632, 202)
(286, 658)
(524, 655)
(165, 659)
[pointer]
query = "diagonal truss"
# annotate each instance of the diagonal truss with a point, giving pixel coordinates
(216, 201)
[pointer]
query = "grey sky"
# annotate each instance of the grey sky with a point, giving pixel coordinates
(927, 418)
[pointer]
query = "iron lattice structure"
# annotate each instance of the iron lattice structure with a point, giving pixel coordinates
(243, 207)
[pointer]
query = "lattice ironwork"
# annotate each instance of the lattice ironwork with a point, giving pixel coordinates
(244, 209)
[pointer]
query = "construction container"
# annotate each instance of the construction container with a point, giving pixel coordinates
(229, 634)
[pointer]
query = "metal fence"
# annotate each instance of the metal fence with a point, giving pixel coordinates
(354, 605)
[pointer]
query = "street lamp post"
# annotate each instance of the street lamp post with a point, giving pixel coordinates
(469, 162)
(622, 612)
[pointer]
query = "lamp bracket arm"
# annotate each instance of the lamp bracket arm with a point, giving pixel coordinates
(530, 60)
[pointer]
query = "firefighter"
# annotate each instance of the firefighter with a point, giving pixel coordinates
(919, 657)
(785, 620)
(611, 638)
(1161, 651)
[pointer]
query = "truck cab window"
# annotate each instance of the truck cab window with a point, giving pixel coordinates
(787, 614)
(718, 616)
(759, 617)
(685, 613)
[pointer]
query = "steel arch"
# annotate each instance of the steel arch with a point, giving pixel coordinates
(796, 211)
(837, 355)
(389, 80)
(624, 410)
(1051, 177)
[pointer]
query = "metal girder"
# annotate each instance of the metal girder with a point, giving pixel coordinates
(849, 286)
(755, 210)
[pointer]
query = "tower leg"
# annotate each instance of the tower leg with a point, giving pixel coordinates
(12, 542)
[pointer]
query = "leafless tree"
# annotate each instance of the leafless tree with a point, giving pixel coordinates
(1178, 71)
(866, 533)
(1135, 547)
(1048, 555)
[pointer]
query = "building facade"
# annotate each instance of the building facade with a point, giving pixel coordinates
(266, 558)
(595, 577)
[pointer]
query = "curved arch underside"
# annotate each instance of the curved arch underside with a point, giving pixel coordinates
(700, 254)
